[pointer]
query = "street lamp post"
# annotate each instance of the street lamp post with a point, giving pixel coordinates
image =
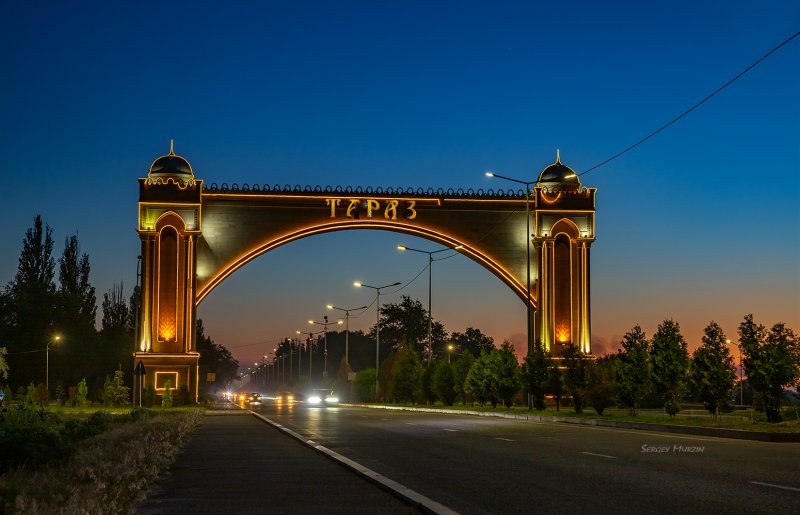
(377, 289)
(741, 375)
(527, 244)
(430, 287)
(310, 349)
(325, 325)
(449, 351)
(47, 363)
(346, 334)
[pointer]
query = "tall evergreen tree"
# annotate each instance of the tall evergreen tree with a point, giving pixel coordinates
(407, 377)
(536, 364)
(75, 316)
(29, 306)
(575, 376)
(712, 370)
(670, 363)
(77, 304)
(633, 370)
(116, 338)
(506, 373)
(771, 362)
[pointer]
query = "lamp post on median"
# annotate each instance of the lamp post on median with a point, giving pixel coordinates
(310, 350)
(346, 334)
(527, 245)
(325, 325)
(430, 283)
(377, 289)
(55, 338)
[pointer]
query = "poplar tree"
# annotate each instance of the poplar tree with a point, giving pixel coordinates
(670, 361)
(712, 370)
(75, 316)
(29, 305)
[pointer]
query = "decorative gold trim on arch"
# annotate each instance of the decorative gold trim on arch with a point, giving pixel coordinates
(445, 239)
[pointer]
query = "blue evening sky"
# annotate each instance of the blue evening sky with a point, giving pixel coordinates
(699, 223)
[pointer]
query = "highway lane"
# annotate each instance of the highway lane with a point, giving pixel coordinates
(486, 465)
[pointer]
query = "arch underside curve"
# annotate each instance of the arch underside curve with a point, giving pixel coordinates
(468, 250)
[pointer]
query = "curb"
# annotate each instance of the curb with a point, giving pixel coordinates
(405, 494)
(737, 434)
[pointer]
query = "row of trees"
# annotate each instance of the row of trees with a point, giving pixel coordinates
(37, 312)
(657, 371)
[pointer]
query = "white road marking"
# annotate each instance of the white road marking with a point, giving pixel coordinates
(410, 424)
(793, 489)
(451, 430)
(504, 439)
(600, 455)
(384, 419)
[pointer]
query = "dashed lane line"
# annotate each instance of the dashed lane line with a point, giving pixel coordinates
(451, 430)
(599, 455)
(782, 487)
(504, 439)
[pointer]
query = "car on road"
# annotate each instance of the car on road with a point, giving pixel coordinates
(322, 397)
(284, 398)
(253, 399)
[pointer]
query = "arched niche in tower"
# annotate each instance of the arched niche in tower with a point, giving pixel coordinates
(169, 285)
(564, 233)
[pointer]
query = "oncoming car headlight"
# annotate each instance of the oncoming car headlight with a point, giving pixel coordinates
(332, 399)
(314, 399)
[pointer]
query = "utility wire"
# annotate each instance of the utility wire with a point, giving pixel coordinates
(692, 108)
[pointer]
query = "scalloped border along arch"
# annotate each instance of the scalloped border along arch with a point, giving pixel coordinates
(496, 268)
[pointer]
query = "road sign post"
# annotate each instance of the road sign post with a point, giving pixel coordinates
(141, 372)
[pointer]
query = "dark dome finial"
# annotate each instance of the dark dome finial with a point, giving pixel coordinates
(559, 176)
(171, 167)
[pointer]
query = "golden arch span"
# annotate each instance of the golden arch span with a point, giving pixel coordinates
(219, 230)
(448, 241)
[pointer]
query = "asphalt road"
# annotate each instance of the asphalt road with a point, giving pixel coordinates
(485, 465)
(238, 464)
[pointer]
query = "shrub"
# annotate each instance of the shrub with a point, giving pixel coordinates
(80, 393)
(148, 397)
(166, 399)
(30, 438)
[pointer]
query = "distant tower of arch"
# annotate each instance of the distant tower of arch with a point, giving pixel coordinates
(564, 232)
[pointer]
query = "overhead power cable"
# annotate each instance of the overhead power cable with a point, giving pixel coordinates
(691, 108)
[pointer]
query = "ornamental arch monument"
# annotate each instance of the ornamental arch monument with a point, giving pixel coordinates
(194, 235)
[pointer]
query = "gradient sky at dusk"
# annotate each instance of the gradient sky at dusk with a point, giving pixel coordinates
(699, 223)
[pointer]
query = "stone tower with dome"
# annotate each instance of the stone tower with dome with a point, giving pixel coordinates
(564, 232)
(169, 227)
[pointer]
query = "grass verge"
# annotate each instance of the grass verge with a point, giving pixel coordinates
(108, 473)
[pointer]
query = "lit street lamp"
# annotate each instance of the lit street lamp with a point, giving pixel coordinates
(377, 289)
(325, 325)
(56, 338)
(430, 282)
(449, 350)
(527, 244)
(346, 334)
